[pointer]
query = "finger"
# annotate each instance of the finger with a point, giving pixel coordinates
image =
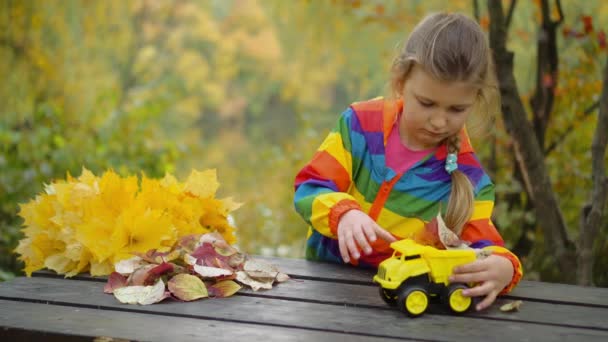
(490, 298)
(468, 277)
(370, 233)
(362, 241)
(475, 266)
(383, 234)
(342, 245)
(478, 291)
(351, 245)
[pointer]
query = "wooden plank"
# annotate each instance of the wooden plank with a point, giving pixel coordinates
(364, 321)
(526, 290)
(22, 321)
(315, 291)
(346, 274)
(367, 296)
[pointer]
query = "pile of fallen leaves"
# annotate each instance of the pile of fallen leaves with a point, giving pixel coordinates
(89, 223)
(198, 266)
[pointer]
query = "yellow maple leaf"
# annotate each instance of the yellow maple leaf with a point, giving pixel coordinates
(139, 229)
(170, 183)
(156, 196)
(87, 177)
(185, 216)
(33, 252)
(89, 223)
(202, 183)
(116, 192)
(82, 265)
(94, 233)
(101, 268)
(37, 215)
(60, 263)
(230, 204)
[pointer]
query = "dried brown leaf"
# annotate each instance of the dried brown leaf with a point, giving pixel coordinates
(260, 270)
(187, 287)
(243, 278)
(224, 288)
(141, 276)
(282, 277)
(511, 306)
(143, 295)
(128, 266)
(115, 281)
(211, 272)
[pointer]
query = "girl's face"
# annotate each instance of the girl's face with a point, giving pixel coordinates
(433, 110)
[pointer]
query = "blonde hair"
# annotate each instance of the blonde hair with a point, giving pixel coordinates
(452, 48)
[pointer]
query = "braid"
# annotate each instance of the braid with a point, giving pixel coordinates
(460, 204)
(453, 143)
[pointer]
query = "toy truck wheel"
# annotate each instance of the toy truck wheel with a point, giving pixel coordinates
(388, 296)
(413, 300)
(456, 301)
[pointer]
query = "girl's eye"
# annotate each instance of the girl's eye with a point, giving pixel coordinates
(457, 109)
(425, 103)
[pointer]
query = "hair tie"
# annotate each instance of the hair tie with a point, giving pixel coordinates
(451, 163)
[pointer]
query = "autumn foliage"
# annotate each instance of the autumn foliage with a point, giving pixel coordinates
(197, 266)
(90, 223)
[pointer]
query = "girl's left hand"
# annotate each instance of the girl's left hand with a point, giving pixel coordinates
(491, 275)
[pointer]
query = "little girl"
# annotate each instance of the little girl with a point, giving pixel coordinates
(390, 165)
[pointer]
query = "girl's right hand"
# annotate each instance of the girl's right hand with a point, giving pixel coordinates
(355, 231)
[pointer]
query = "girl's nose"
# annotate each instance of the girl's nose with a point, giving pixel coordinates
(438, 120)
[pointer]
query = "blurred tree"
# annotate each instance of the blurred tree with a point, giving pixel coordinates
(529, 143)
(69, 99)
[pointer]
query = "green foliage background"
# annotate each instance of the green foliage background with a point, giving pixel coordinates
(250, 88)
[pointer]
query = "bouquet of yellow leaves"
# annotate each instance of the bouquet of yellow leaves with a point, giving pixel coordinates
(90, 223)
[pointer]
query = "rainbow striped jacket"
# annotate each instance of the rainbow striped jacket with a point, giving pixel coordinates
(348, 171)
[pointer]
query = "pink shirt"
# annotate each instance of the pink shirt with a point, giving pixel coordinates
(398, 156)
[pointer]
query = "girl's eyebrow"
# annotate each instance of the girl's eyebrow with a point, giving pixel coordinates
(426, 99)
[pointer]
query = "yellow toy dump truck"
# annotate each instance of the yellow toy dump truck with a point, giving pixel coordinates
(415, 273)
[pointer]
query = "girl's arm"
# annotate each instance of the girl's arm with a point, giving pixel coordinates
(500, 272)
(481, 233)
(321, 187)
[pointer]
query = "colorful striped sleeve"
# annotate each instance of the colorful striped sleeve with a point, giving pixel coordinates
(481, 232)
(321, 187)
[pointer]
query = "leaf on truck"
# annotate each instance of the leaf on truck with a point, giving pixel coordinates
(482, 253)
(447, 237)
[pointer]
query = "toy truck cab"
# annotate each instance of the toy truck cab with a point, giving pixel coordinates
(415, 273)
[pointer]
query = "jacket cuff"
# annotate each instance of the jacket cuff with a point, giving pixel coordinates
(517, 271)
(339, 209)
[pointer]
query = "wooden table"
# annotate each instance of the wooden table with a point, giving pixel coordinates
(321, 302)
